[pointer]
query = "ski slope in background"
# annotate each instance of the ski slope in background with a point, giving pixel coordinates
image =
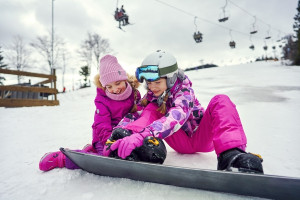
(267, 96)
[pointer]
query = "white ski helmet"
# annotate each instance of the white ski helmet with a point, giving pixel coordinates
(166, 63)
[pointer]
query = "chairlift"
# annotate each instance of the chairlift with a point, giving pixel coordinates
(280, 46)
(268, 33)
(121, 16)
(274, 47)
(265, 47)
(232, 43)
(251, 46)
(197, 35)
(279, 38)
(224, 18)
(254, 30)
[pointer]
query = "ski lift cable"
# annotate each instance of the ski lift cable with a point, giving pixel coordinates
(252, 15)
(203, 19)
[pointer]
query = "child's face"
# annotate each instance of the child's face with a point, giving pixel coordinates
(117, 87)
(158, 87)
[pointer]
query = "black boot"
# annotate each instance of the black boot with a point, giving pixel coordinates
(153, 150)
(117, 134)
(242, 161)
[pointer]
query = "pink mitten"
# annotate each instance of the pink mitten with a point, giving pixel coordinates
(126, 145)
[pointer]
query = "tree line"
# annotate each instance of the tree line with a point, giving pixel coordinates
(19, 55)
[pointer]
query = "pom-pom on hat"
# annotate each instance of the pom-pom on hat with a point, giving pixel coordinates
(111, 70)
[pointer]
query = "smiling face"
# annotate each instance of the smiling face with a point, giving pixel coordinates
(158, 87)
(117, 87)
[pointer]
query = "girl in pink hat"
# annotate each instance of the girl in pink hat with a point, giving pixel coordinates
(117, 95)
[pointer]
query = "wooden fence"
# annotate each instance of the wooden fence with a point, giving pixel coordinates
(26, 94)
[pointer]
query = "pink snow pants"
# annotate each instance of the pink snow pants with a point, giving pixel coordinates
(220, 128)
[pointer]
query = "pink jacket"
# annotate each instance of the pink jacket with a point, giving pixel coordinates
(109, 113)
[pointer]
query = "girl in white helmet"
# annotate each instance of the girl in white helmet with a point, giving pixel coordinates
(173, 113)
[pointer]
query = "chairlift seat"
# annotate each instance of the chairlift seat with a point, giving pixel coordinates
(253, 32)
(223, 19)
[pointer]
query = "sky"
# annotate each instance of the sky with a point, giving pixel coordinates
(266, 95)
(157, 24)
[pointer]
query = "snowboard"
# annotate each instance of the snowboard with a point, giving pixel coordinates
(264, 186)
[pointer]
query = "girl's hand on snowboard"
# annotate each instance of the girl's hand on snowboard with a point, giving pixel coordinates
(126, 145)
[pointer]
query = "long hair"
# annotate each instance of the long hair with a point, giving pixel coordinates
(162, 108)
(133, 83)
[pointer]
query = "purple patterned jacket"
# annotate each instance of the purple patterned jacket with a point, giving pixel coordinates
(183, 111)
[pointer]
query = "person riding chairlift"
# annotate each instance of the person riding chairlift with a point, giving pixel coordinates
(120, 15)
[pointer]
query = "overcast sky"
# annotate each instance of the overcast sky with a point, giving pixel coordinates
(157, 24)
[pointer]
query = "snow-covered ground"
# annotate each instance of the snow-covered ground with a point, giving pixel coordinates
(267, 96)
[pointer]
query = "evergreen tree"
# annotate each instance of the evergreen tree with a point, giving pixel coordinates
(296, 27)
(2, 65)
(85, 72)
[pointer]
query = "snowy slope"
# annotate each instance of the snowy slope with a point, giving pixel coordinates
(267, 96)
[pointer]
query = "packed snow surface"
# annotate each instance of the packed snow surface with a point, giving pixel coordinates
(267, 96)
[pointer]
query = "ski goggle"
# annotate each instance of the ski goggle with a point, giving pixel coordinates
(148, 72)
(153, 72)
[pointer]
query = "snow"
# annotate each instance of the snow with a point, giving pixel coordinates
(267, 96)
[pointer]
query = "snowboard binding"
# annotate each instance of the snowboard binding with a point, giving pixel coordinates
(237, 159)
(153, 149)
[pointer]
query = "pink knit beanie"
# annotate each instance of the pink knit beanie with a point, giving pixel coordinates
(111, 70)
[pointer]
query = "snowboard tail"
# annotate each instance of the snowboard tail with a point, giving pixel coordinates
(265, 186)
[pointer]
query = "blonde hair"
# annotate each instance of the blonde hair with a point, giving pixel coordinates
(131, 80)
(162, 108)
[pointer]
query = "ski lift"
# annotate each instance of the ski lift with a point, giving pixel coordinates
(265, 47)
(232, 42)
(279, 38)
(121, 16)
(274, 47)
(254, 30)
(197, 35)
(251, 46)
(280, 46)
(268, 33)
(224, 18)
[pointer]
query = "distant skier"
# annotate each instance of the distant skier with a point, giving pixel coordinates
(126, 17)
(173, 113)
(117, 95)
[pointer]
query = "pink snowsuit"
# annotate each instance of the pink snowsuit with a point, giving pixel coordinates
(187, 127)
(108, 114)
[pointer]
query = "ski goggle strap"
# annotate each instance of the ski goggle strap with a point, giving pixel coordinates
(153, 72)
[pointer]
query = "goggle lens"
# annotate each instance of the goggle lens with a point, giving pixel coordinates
(149, 72)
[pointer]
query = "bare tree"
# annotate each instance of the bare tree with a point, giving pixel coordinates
(93, 48)
(2, 65)
(19, 55)
(64, 65)
(43, 47)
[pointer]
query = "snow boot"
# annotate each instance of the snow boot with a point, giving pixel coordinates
(240, 160)
(52, 160)
(89, 148)
(153, 150)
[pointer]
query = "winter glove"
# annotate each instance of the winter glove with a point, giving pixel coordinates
(126, 145)
(117, 134)
(106, 150)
